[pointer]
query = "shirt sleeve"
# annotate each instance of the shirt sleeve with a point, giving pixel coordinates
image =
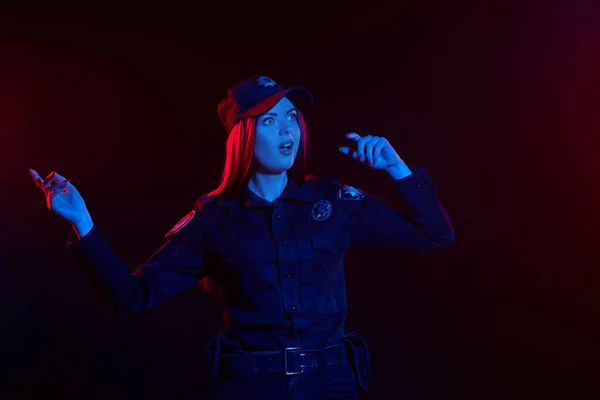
(419, 223)
(174, 267)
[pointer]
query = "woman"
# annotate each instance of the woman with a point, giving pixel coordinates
(273, 243)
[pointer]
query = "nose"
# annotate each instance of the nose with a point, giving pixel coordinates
(286, 128)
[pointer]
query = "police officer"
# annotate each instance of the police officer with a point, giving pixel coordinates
(272, 242)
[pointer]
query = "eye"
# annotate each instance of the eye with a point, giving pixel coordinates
(268, 121)
(293, 117)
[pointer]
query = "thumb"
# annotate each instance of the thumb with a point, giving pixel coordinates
(344, 149)
(348, 151)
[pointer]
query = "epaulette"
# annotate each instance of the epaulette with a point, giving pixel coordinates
(323, 181)
(202, 201)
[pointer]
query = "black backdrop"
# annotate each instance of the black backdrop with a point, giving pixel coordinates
(496, 100)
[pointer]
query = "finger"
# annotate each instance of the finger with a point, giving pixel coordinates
(37, 178)
(52, 194)
(60, 177)
(369, 149)
(360, 147)
(353, 136)
(49, 179)
(348, 151)
(377, 150)
(59, 185)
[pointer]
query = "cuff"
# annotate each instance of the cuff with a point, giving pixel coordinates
(415, 185)
(90, 246)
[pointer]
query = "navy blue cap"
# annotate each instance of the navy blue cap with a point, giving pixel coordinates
(255, 96)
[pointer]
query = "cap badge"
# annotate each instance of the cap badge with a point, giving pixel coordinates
(265, 81)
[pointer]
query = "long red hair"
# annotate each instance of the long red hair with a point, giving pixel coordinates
(239, 156)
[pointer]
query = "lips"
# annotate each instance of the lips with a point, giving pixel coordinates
(287, 144)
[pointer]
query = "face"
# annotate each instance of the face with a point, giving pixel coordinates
(275, 128)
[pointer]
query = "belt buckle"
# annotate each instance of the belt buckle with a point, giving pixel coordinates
(285, 361)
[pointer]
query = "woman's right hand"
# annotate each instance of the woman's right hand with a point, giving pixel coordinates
(62, 198)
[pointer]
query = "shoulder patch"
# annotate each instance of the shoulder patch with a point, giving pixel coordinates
(183, 222)
(350, 193)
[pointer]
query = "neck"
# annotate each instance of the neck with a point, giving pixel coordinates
(268, 186)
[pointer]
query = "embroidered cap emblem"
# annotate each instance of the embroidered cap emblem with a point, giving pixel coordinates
(265, 81)
(321, 210)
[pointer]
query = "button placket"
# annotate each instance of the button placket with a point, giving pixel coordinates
(287, 262)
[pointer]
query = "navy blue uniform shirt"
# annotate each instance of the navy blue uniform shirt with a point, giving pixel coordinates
(278, 265)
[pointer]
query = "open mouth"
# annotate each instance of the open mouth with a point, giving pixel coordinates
(287, 145)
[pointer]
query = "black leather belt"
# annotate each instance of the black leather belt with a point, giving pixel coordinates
(288, 361)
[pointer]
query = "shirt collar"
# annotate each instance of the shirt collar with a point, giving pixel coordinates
(299, 191)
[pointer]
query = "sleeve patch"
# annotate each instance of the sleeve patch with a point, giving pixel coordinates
(183, 222)
(350, 193)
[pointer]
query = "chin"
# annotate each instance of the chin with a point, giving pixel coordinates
(279, 169)
(290, 165)
(283, 169)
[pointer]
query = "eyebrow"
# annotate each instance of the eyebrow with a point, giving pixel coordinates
(288, 111)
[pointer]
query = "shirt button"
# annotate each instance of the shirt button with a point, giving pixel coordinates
(288, 275)
(277, 216)
(292, 308)
(284, 243)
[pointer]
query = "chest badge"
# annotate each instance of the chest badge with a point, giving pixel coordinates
(321, 210)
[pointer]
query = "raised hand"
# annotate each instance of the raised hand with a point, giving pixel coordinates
(62, 197)
(374, 151)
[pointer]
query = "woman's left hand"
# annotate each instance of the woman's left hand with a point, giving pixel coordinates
(374, 151)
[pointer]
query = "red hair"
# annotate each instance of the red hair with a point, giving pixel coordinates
(239, 155)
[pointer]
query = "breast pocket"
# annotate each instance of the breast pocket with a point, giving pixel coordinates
(247, 265)
(240, 252)
(329, 245)
(325, 240)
